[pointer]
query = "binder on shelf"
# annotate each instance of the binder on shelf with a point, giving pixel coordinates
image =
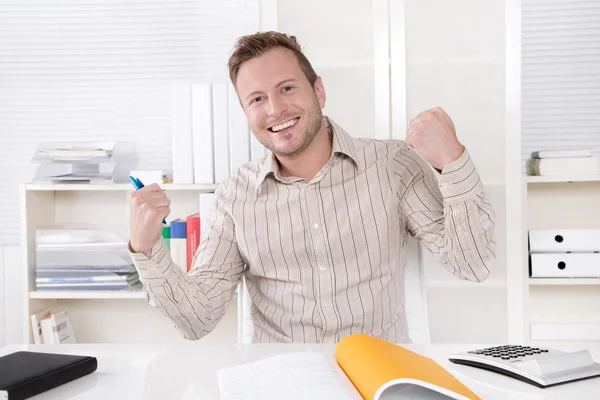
(179, 243)
(239, 138)
(220, 132)
(166, 234)
(202, 133)
(181, 126)
(564, 240)
(193, 238)
(565, 265)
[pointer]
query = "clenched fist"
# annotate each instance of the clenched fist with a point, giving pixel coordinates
(148, 207)
(433, 136)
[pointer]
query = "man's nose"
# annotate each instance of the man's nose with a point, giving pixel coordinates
(276, 106)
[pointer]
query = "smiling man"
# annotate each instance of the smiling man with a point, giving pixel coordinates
(319, 228)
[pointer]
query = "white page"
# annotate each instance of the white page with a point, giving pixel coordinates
(295, 376)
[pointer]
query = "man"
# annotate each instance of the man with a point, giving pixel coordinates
(319, 229)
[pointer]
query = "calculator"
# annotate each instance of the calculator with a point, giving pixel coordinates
(542, 367)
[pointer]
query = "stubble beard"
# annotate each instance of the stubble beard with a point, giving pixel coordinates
(313, 125)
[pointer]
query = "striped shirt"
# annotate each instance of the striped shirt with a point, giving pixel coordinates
(325, 258)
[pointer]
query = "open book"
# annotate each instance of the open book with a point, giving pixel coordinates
(366, 368)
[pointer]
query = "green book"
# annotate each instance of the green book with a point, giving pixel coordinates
(166, 234)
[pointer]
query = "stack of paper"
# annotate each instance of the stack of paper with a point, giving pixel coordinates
(86, 162)
(72, 259)
(562, 162)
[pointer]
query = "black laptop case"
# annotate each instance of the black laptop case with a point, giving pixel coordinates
(24, 373)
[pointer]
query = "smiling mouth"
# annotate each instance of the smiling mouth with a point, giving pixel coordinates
(283, 128)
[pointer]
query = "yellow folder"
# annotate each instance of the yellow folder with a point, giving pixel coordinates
(373, 365)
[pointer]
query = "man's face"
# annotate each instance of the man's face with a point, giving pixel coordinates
(283, 109)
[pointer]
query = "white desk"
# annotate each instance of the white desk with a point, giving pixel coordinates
(187, 371)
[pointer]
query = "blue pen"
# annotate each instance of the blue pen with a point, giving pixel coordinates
(137, 184)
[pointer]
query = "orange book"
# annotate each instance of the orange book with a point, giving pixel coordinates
(193, 238)
(366, 368)
(374, 365)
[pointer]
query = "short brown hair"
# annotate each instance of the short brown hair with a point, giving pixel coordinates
(255, 45)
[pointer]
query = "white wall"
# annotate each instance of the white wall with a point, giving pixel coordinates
(3, 283)
(10, 295)
(455, 60)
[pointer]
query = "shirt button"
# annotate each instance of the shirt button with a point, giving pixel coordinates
(323, 268)
(315, 226)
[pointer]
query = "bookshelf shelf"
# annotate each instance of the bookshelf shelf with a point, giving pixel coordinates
(115, 187)
(563, 281)
(97, 294)
(562, 179)
(103, 207)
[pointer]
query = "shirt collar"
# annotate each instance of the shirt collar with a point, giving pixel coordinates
(341, 144)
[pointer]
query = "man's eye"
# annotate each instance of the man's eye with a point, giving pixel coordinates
(287, 88)
(257, 99)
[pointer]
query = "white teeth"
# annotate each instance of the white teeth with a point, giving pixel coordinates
(277, 128)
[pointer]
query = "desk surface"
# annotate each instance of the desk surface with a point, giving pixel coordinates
(187, 371)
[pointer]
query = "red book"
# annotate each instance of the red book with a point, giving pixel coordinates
(193, 238)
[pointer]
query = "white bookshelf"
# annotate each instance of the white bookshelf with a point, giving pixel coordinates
(562, 202)
(78, 187)
(541, 202)
(97, 316)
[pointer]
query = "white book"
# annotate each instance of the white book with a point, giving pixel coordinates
(563, 166)
(46, 327)
(181, 132)
(239, 132)
(36, 326)
(220, 132)
(202, 133)
(206, 200)
(562, 153)
(62, 329)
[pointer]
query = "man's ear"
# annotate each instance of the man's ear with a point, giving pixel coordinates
(320, 92)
